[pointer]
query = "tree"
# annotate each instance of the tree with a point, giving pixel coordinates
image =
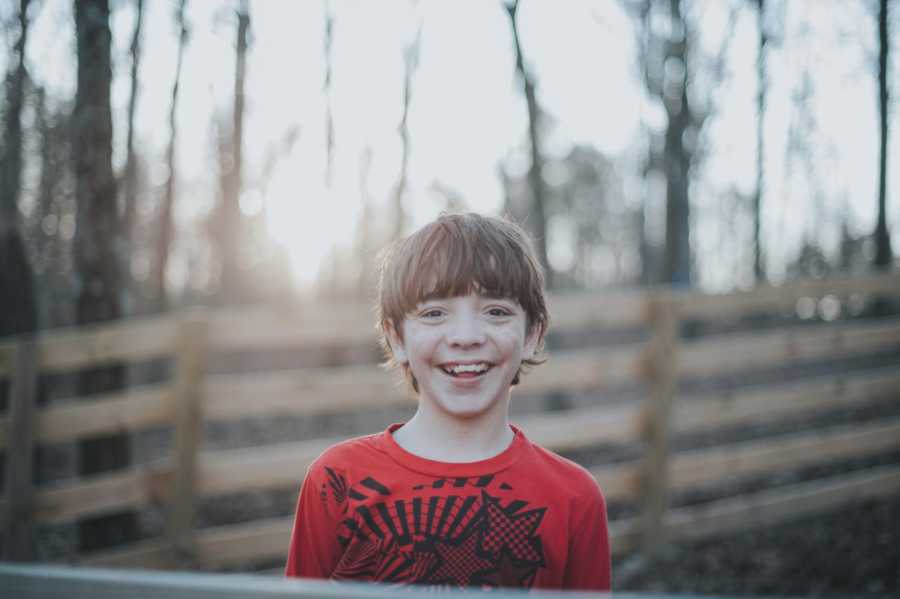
(52, 225)
(231, 160)
(677, 157)
(411, 62)
(98, 241)
(99, 235)
(129, 177)
(762, 83)
(18, 312)
(883, 253)
(663, 54)
(166, 226)
(802, 138)
(600, 230)
(537, 219)
(668, 64)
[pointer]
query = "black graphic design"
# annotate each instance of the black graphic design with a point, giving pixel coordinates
(508, 572)
(513, 532)
(458, 540)
(462, 482)
(484, 480)
(338, 485)
(457, 560)
(371, 483)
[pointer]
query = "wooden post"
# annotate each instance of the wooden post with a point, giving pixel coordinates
(189, 376)
(20, 454)
(662, 372)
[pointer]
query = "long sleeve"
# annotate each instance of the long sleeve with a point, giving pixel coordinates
(590, 564)
(314, 548)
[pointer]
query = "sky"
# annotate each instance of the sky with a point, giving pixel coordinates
(467, 113)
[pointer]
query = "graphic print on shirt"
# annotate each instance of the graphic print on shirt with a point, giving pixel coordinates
(463, 537)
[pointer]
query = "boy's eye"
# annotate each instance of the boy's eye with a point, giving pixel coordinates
(433, 313)
(499, 312)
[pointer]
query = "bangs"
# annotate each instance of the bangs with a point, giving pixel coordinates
(456, 257)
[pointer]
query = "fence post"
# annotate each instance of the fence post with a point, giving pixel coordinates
(190, 372)
(20, 453)
(662, 372)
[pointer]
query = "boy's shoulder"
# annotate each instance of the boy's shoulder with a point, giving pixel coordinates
(355, 451)
(559, 470)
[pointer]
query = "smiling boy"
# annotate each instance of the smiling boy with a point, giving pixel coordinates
(456, 496)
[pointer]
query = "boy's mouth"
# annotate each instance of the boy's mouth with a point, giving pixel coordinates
(467, 370)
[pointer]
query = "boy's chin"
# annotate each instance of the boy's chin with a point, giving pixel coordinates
(467, 404)
(467, 413)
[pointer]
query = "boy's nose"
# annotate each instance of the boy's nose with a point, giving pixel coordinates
(465, 331)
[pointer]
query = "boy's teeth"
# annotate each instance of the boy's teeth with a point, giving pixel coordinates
(460, 368)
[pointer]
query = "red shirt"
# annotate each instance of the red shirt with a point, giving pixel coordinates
(371, 511)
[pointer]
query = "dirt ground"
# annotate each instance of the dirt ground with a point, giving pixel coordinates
(849, 552)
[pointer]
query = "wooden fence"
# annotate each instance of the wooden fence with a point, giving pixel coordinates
(660, 364)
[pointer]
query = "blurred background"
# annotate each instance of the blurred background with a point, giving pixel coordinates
(193, 194)
(240, 152)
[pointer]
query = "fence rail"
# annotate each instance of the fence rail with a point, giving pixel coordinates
(196, 395)
(55, 582)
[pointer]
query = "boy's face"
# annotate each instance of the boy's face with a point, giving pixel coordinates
(465, 351)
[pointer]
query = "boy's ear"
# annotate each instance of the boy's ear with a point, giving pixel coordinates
(396, 342)
(532, 340)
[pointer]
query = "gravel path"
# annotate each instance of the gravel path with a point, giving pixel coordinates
(852, 551)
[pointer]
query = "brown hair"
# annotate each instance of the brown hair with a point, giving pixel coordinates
(455, 255)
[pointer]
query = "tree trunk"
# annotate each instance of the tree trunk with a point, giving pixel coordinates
(98, 237)
(758, 268)
(410, 60)
(537, 221)
(650, 267)
(166, 226)
(644, 250)
(231, 211)
(129, 179)
(883, 253)
(18, 310)
(98, 241)
(677, 160)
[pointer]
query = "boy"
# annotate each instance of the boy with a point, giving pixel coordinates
(456, 496)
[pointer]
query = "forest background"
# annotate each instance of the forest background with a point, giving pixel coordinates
(158, 154)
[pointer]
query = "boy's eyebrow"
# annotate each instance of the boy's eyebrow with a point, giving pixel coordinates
(509, 300)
